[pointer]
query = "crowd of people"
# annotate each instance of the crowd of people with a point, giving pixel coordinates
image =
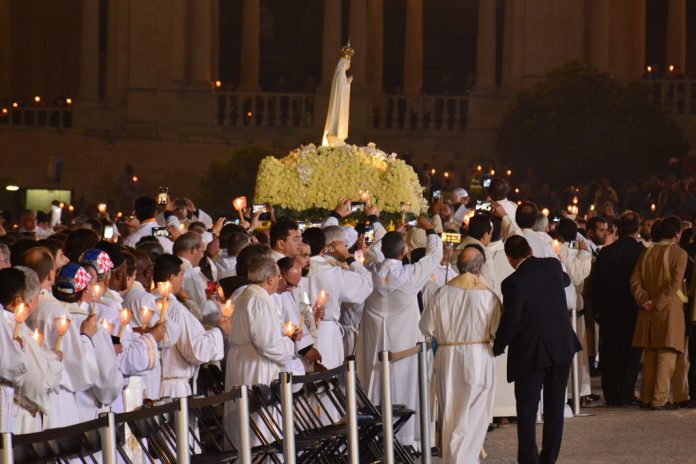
(95, 307)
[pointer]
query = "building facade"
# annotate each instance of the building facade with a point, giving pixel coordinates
(88, 86)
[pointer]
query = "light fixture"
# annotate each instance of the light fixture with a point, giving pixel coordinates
(37, 99)
(12, 188)
(218, 84)
(68, 101)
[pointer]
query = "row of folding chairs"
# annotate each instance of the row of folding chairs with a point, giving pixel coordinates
(323, 417)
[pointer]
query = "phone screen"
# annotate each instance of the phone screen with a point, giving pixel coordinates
(451, 238)
(108, 232)
(163, 196)
(357, 206)
(369, 235)
(484, 206)
(160, 232)
(486, 180)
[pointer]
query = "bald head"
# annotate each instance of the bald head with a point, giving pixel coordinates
(470, 260)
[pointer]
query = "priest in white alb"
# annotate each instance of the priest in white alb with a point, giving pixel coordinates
(463, 316)
(390, 319)
(80, 371)
(258, 350)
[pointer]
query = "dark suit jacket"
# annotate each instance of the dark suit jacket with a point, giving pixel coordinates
(535, 322)
(614, 306)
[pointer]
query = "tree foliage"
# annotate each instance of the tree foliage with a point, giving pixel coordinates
(230, 178)
(578, 125)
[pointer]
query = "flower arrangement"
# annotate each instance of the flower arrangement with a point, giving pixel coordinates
(313, 177)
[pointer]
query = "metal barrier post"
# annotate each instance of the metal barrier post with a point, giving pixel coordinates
(7, 456)
(575, 367)
(244, 442)
(108, 439)
(424, 395)
(387, 423)
(183, 453)
(352, 412)
(288, 419)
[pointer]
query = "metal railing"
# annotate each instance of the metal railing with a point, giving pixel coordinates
(183, 430)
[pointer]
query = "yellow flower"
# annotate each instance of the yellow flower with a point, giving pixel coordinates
(312, 177)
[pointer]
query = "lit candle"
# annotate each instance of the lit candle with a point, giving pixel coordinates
(545, 212)
(509, 172)
(575, 200)
(165, 288)
(227, 309)
(471, 213)
(101, 207)
(126, 315)
(492, 172)
(218, 84)
(446, 175)
(649, 68)
(62, 326)
(517, 190)
(432, 172)
(239, 204)
(556, 246)
(289, 328)
(574, 210)
(95, 297)
(322, 298)
(479, 167)
(570, 208)
(653, 207)
(134, 179)
(71, 208)
(108, 326)
(38, 337)
(20, 315)
(163, 306)
(145, 316)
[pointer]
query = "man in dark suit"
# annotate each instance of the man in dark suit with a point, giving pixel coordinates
(616, 311)
(536, 326)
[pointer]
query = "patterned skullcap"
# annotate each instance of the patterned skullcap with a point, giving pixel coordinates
(98, 259)
(72, 278)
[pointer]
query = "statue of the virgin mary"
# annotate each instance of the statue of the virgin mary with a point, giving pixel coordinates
(336, 128)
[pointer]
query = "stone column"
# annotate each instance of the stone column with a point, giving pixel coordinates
(375, 55)
(201, 45)
(5, 50)
(330, 39)
(358, 39)
(177, 44)
(676, 34)
(485, 46)
(89, 51)
(251, 46)
(413, 48)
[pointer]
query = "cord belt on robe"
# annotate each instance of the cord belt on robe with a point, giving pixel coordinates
(477, 342)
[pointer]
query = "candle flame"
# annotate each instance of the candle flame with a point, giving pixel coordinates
(239, 203)
(289, 328)
(228, 309)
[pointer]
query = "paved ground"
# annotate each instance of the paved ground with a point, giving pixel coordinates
(612, 436)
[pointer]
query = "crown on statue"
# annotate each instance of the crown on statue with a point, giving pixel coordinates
(347, 51)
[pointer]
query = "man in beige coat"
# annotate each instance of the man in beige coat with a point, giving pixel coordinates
(657, 286)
